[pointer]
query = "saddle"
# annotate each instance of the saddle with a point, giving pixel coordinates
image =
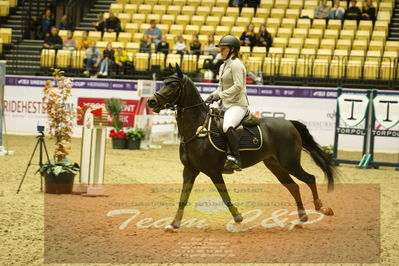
(248, 132)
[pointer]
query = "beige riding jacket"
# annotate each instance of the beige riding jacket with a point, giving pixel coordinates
(232, 80)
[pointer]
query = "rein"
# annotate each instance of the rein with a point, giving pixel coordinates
(174, 106)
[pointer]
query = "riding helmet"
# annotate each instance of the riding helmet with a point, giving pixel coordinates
(229, 40)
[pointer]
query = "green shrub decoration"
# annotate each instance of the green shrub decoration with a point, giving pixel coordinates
(135, 134)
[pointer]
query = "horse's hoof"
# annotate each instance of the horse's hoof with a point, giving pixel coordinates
(238, 218)
(318, 204)
(303, 218)
(169, 228)
(326, 211)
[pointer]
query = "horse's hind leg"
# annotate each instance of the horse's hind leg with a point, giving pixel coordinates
(285, 179)
(310, 180)
(189, 176)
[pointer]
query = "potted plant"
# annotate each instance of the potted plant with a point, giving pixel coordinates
(119, 140)
(134, 137)
(115, 107)
(59, 174)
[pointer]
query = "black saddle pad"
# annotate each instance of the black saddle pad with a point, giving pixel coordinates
(251, 140)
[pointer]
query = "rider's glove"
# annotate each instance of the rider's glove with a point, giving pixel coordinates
(213, 98)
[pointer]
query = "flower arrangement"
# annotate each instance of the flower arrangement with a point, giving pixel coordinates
(61, 116)
(117, 134)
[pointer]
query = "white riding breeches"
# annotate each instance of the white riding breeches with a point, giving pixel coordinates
(233, 116)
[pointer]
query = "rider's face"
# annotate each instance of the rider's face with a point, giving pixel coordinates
(224, 50)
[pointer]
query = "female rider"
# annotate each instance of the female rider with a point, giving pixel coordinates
(232, 92)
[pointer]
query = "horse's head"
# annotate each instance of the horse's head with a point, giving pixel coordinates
(169, 95)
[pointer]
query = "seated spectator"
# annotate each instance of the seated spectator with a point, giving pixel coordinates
(195, 45)
(112, 24)
(121, 61)
(53, 41)
(180, 45)
(108, 59)
(93, 58)
(353, 12)
(217, 62)
(252, 3)
(337, 12)
(236, 3)
(322, 11)
(248, 37)
(85, 42)
(153, 33)
(99, 25)
(264, 38)
(210, 47)
(163, 46)
(46, 23)
(69, 43)
(368, 11)
(65, 23)
(145, 44)
(244, 3)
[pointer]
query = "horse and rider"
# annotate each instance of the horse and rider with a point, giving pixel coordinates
(281, 146)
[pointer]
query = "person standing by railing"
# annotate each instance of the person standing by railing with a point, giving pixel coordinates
(46, 23)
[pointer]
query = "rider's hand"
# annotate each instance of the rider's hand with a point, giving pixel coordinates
(213, 98)
(209, 99)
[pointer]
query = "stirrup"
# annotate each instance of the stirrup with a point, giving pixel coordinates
(232, 163)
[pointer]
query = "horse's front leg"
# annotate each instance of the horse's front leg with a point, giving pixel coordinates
(218, 180)
(189, 175)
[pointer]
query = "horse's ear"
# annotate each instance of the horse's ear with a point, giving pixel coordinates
(178, 71)
(170, 68)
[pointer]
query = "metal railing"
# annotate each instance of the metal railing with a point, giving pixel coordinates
(288, 69)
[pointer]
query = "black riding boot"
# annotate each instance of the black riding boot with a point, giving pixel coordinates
(233, 159)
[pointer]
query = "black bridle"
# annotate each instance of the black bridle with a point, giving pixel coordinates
(175, 104)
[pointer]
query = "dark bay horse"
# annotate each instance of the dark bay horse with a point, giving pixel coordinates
(280, 152)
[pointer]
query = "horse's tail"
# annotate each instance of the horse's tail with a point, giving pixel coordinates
(322, 159)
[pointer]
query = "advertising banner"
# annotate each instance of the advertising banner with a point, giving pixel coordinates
(126, 116)
(315, 107)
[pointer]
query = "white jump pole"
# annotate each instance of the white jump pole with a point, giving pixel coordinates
(92, 160)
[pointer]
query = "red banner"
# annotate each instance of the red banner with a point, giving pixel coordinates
(127, 115)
